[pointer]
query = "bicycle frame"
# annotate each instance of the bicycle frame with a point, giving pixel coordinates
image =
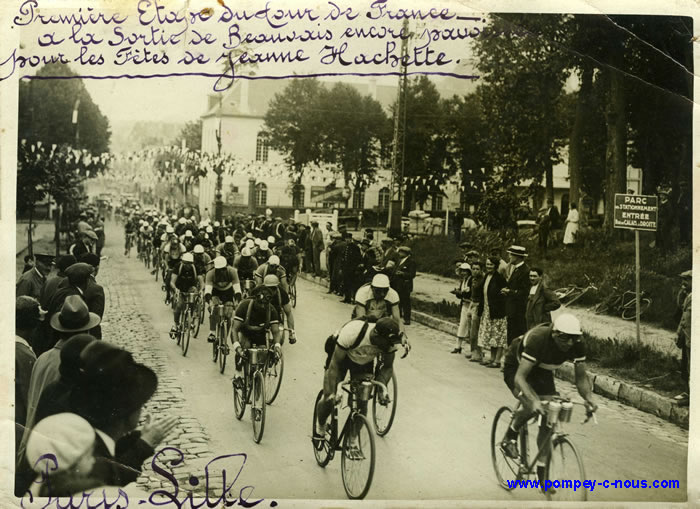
(357, 406)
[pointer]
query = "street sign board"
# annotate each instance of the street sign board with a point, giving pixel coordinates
(636, 212)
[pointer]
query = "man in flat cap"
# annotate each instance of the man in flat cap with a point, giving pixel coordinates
(84, 244)
(54, 279)
(94, 294)
(32, 282)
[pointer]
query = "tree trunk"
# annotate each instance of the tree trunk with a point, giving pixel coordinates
(30, 245)
(549, 181)
(576, 142)
(616, 150)
(58, 229)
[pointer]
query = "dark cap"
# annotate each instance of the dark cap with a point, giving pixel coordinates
(90, 259)
(44, 258)
(388, 328)
(70, 356)
(65, 261)
(78, 273)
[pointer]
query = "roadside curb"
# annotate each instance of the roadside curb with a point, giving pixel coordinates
(607, 386)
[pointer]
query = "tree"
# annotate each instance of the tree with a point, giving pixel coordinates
(523, 78)
(427, 160)
(31, 180)
(46, 112)
(466, 125)
(355, 128)
(292, 124)
(191, 134)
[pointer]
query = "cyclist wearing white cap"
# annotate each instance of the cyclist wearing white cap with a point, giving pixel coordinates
(202, 262)
(246, 265)
(221, 285)
(172, 251)
(272, 266)
(376, 300)
(282, 304)
(228, 249)
(185, 279)
(529, 373)
(263, 253)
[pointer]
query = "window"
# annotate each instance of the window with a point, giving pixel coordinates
(437, 201)
(358, 199)
(384, 198)
(261, 149)
(260, 195)
(298, 192)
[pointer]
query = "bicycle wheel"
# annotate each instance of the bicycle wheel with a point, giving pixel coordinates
(629, 312)
(506, 468)
(274, 369)
(566, 473)
(383, 415)
(215, 345)
(240, 398)
(357, 458)
(257, 406)
(196, 322)
(322, 448)
(186, 329)
(293, 294)
(563, 293)
(221, 342)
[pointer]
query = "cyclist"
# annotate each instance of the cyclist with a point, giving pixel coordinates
(253, 318)
(228, 249)
(173, 251)
(185, 279)
(281, 303)
(376, 300)
(202, 262)
(263, 253)
(289, 260)
(529, 368)
(221, 286)
(272, 266)
(188, 240)
(246, 265)
(129, 232)
(354, 348)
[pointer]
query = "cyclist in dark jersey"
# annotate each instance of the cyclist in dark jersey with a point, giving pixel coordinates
(282, 304)
(529, 368)
(184, 279)
(246, 265)
(251, 321)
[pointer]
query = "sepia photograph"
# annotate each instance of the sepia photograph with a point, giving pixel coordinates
(305, 253)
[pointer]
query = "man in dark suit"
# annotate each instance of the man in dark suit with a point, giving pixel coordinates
(516, 292)
(317, 245)
(352, 268)
(32, 282)
(540, 301)
(390, 257)
(86, 244)
(404, 273)
(94, 293)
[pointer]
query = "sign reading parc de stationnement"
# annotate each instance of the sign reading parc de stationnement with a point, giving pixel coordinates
(636, 212)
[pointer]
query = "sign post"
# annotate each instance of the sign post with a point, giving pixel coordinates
(636, 212)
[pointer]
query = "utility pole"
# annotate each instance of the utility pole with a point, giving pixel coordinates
(397, 150)
(218, 169)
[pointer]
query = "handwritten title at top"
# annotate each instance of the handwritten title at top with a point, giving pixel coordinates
(152, 38)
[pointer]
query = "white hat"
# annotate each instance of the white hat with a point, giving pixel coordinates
(268, 212)
(169, 229)
(568, 324)
(273, 260)
(198, 249)
(188, 233)
(380, 281)
(164, 237)
(67, 436)
(216, 223)
(210, 229)
(271, 240)
(263, 245)
(188, 257)
(250, 244)
(182, 220)
(465, 266)
(228, 239)
(257, 241)
(246, 252)
(219, 262)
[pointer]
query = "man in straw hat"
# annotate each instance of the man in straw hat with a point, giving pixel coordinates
(516, 292)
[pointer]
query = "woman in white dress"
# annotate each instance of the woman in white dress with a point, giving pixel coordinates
(571, 226)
